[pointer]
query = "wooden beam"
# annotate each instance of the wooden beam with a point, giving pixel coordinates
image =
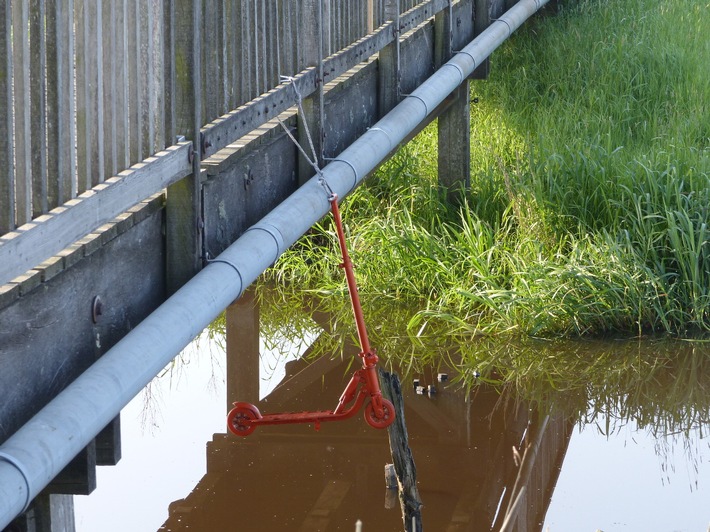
(48, 235)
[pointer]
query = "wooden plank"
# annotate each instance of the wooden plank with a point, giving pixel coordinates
(79, 475)
(157, 100)
(65, 225)
(211, 67)
(111, 84)
(122, 70)
(7, 164)
(234, 125)
(145, 74)
(61, 158)
(169, 103)
(23, 126)
(135, 77)
(38, 102)
(89, 88)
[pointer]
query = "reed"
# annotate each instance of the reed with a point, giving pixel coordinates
(588, 207)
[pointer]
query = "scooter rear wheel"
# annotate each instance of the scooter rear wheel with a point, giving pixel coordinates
(380, 422)
(239, 419)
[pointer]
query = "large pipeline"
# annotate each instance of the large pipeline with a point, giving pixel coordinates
(39, 450)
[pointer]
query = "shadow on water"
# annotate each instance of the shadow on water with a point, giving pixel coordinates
(489, 443)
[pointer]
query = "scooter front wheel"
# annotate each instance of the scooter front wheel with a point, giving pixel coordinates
(380, 422)
(240, 417)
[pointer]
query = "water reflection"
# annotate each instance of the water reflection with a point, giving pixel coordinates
(465, 445)
(625, 421)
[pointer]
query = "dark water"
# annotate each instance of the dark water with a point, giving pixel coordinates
(634, 461)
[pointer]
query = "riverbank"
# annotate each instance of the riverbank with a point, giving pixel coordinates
(588, 207)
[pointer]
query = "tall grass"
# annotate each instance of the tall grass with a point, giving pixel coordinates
(588, 207)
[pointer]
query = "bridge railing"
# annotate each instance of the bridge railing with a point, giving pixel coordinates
(95, 96)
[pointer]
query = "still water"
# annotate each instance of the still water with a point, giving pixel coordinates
(590, 470)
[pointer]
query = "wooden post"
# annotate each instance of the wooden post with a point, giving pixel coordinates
(183, 207)
(47, 513)
(485, 12)
(311, 55)
(388, 64)
(242, 321)
(38, 100)
(454, 155)
(23, 129)
(7, 164)
(402, 455)
(61, 140)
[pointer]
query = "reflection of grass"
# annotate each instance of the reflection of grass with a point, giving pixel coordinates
(588, 209)
(663, 385)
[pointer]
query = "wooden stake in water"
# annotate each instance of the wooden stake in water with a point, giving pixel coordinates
(402, 455)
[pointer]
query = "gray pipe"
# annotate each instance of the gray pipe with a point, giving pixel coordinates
(36, 453)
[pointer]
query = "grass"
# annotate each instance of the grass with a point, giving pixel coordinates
(588, 207)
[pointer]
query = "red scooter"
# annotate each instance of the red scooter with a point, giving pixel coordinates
(243, 419)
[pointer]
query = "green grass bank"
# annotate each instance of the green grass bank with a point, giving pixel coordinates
(590, 190)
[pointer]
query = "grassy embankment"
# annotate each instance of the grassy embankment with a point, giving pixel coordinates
(588, 210)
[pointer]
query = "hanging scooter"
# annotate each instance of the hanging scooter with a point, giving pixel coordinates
(243, 419)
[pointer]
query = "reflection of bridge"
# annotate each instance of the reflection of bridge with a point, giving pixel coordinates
(486, 463)
(105, 209)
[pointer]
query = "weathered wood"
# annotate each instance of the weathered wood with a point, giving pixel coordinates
(404, 466)
(47, 513)
(310, 126)
(61, 158)
(79, 475)
(89, 89)
(135, 79)
(23, 126)
(38, 102)
(454, 130)
(389, 62)
(169, 67)
(7, 164)
(95, 90)
(183, 207)
(48, 335)
(248, 179)
(108, 443)
(67, 224)
(234, 125)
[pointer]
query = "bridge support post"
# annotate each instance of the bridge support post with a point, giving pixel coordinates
(48, 513)
(183, 218)
(311, 55)
(454, 131)
(388, 64)
(242, 323)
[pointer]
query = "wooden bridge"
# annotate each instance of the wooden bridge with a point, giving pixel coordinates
(140, 139)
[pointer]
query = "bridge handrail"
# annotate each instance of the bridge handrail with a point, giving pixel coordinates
(62, 155)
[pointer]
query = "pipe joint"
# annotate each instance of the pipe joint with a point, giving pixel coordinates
(14, 462)
(274, 233)
(458, 69)
(356, 177)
